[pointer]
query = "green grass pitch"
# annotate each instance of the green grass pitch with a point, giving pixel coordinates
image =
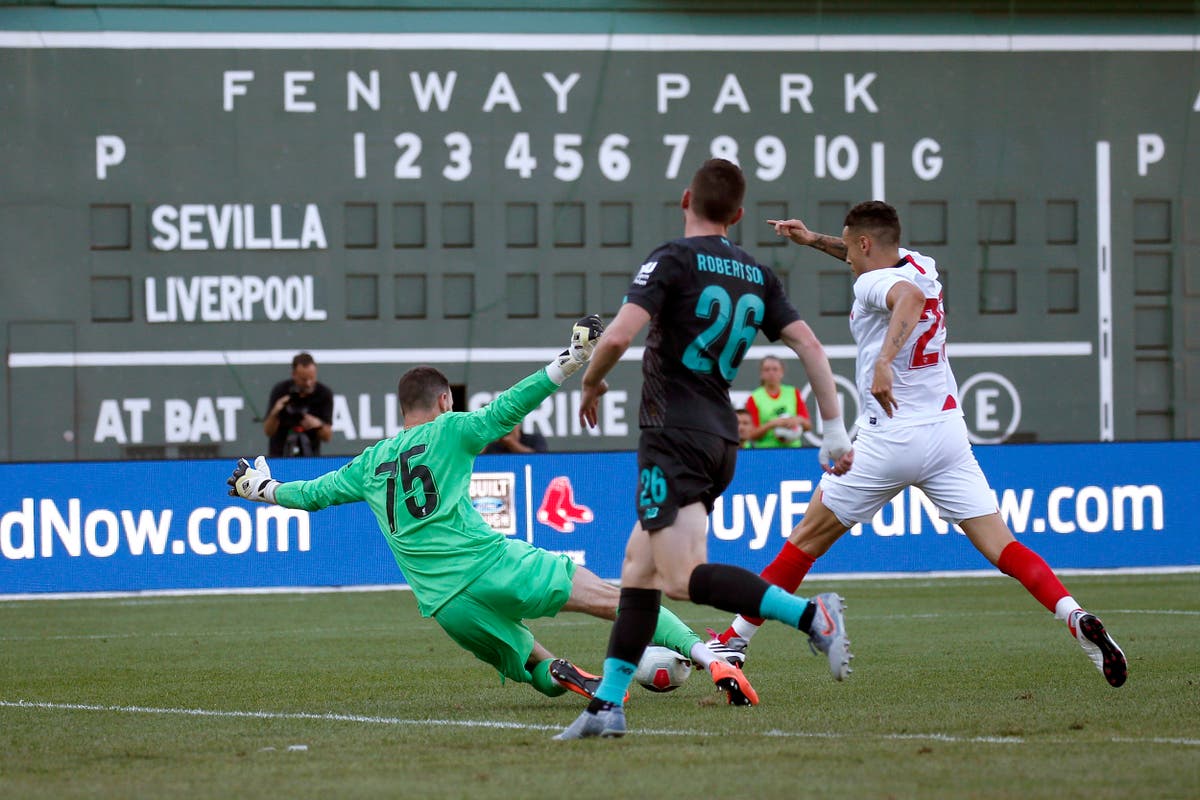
(961, 688)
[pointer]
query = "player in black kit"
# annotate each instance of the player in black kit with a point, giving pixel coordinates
(705, 300)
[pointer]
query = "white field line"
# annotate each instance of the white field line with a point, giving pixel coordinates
(698, 624)
(149, 595)
(503, 725)
(574, 621)
(392, 631)
(579, 621)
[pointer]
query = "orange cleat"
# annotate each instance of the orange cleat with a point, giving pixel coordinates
(730, 679)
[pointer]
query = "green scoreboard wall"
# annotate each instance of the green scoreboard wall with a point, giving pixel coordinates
(190, 199)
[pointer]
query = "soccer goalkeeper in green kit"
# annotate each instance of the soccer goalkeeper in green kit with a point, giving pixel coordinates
(479, 585)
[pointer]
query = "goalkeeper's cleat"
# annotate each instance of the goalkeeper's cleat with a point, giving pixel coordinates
(828, 634)
(572, 677)
(729, 679)
(607, 724)
(733, 650)
(1100, 647)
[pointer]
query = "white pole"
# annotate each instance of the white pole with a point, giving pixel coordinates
(877, 171)
(529, 504)
(1104, 286)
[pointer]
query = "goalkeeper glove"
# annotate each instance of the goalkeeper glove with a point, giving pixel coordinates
(253, 483)
(835, 443)
(584, 335)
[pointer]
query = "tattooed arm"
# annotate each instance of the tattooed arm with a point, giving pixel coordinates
(907, 304)
(799, 233)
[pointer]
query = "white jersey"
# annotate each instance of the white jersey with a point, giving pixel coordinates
(924, 386)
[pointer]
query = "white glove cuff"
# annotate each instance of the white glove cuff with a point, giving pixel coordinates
(561, 368)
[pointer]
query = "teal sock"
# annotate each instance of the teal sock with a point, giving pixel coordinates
(543, 681)
(782, 606)
(614, 683)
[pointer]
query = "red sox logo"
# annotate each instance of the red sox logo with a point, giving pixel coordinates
(558, 508)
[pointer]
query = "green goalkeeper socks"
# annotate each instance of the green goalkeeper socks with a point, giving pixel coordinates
(672, 633)
(543, 682)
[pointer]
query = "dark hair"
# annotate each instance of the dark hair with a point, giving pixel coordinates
(718, 189)
(745, 411)
(420, 387)
(876, 217)
(302, 360)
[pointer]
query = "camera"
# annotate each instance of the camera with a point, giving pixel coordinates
(298, 441)
(297, 405)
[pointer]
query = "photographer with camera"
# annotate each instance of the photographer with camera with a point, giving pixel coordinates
(301, 412)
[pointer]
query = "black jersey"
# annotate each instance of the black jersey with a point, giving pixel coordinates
(707, 299)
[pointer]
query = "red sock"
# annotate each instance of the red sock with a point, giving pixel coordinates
(786, 571)
(1034, 574)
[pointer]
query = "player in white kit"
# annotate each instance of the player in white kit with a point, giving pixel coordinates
(910, 432)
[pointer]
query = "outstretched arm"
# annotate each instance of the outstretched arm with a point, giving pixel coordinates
(835, 444)
(798, 336)
(616, 340)
(254, 482)
(799, 233)
(481, 427)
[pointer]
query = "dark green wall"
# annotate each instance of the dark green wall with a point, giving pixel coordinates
(409, 269)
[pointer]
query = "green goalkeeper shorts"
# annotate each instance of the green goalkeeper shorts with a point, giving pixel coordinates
(486, 618)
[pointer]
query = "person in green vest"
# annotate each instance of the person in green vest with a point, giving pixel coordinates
(777, 411)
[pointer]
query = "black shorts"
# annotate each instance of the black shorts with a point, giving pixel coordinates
(678, 467)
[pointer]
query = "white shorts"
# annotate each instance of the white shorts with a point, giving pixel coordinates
(935, 457)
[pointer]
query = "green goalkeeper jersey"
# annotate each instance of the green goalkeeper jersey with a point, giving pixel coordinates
(418, 485)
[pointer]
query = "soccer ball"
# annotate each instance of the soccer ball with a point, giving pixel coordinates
(662, 670)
